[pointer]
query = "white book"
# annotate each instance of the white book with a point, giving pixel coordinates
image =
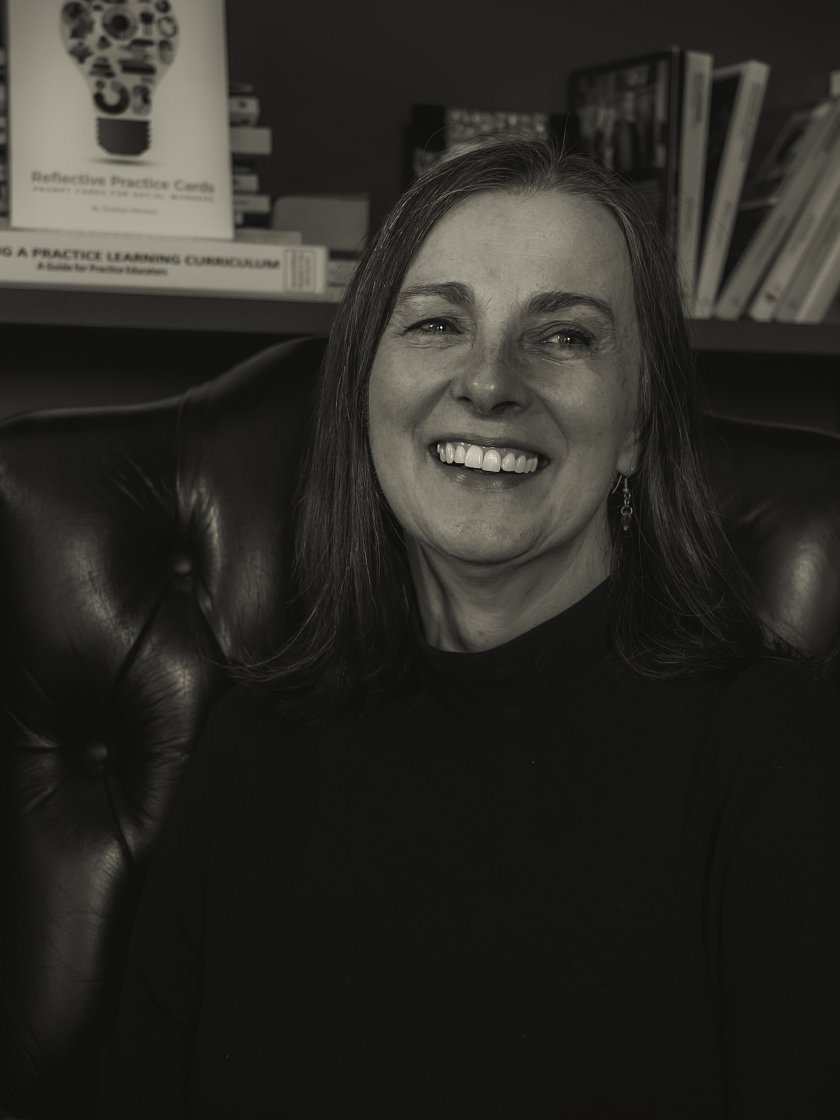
(823, 290)
(696, 92)
(818, 203)
(736, 101)
(116, 131)
(250, 140)
(245, 181)
(176, 265)
(243, 109)
(816, 149)
(810, 276)
(252, 203)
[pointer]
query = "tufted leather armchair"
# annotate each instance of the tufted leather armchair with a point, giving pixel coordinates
(143, 548)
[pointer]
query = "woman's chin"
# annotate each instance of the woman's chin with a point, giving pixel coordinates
(484, 548)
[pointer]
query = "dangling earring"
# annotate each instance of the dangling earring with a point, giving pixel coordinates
(626, 506)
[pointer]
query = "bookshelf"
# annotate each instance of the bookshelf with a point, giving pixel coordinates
(66, 347)
(44, 307)
(89, 343)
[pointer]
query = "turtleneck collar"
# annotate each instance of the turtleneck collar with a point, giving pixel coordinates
(529, 677)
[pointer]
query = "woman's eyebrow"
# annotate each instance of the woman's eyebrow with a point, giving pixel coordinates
(543, 303)
(461, 295)
(548, 303)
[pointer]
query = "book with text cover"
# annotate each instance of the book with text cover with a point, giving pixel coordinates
(817, 277)
(694, 130)
(118, 117)
(628, 114)
(818, 203)
(247, 267)
(737, 97)
(773, 200)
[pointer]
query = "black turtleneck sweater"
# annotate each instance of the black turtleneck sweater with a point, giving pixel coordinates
(534, 885)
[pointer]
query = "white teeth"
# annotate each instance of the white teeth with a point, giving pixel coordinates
(489, 459)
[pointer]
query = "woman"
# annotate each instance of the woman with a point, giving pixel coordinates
(528, 819)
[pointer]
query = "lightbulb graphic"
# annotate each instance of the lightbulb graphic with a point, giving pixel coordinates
(123, 47)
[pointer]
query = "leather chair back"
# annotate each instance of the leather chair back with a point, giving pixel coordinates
(143, 548)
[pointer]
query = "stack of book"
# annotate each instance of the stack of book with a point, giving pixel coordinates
(765, 245)
(250, 142)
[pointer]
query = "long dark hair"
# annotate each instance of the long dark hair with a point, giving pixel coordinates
(680, 602)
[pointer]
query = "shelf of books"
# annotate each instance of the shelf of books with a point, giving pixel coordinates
(121, 211)
(197, 245)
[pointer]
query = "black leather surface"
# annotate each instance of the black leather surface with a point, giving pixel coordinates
(140, 549)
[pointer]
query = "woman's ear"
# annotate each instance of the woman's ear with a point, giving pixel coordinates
(630, 453)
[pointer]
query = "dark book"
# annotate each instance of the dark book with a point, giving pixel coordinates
(439, 132)
(627, 116)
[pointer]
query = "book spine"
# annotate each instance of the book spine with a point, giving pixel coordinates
(162, 264)
(244, 109)
(796, 243)
(729, 183)
(693, 137)
(249, 140)
(809, 270)
(817, 147)
(245, 182)
(824, 289)
(252, 203)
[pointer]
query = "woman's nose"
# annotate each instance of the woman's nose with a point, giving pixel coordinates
(491, 379)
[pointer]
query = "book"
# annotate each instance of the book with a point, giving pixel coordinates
(440, 132)
(243, 109)
(118, 118)
(694, 129)
(812, 281)
(797, 241)
(245, 182)
(250, 140)
(265, 235)
(628, 115)
(736, 101)
(340, 222)
(822, 295)
(787, 176)
(176, 265)
(252, 203)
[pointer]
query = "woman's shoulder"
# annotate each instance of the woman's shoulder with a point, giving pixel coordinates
(776, 722)
(778, 692)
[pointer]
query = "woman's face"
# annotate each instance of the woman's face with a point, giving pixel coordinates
(503, 392)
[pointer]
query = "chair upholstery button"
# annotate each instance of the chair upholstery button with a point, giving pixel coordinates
(95, 756)
(182, 565)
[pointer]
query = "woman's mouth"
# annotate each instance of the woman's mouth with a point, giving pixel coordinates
(487, 457)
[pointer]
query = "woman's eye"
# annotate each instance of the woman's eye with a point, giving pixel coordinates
(433, 327)
(569, 338)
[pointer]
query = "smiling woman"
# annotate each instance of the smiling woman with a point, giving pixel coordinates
(529, 816)
(526, 346)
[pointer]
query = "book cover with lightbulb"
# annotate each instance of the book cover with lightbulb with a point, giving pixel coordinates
(118, 116)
